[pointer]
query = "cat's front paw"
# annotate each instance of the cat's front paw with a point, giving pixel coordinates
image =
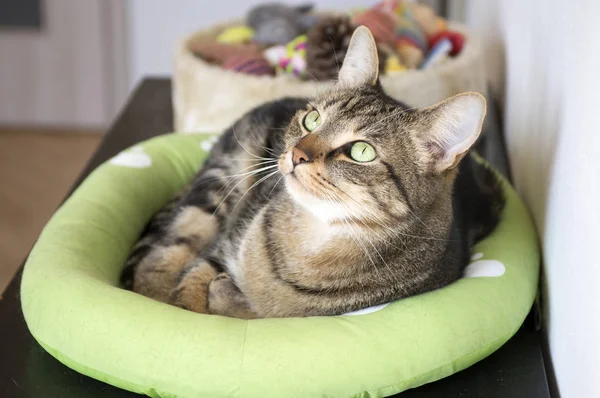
(224, 298)
(192, 291)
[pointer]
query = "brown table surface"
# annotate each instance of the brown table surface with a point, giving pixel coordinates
(26, 370)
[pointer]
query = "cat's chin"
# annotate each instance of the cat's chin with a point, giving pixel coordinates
(322, 210)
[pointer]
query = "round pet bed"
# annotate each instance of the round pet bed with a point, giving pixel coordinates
(76, 311)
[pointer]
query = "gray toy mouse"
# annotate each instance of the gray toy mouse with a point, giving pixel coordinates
(276, 23)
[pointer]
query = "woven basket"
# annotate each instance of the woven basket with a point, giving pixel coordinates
(207, 98)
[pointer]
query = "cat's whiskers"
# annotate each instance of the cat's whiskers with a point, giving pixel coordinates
(351, 219)
(231, 179)
(269, 164)
(364, 208)
(268, 150)
(319, 89)
(337, 63)
(371, 215)
(253, 185)
(390, 245)
(391, 273)
(380, 236)
(374, 218)
(353, 233)
(274, 186)
(238, 183)
(263, 166)
(311, 75)
(361, 244)
(228, 193)
(246, 160)
(244, 148)
(409, 108)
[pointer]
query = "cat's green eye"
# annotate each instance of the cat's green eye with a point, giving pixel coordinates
(312, 120)
(362, 152)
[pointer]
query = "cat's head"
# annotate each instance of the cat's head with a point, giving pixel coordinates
(356, 153)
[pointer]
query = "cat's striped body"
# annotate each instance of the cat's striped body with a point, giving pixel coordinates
(282, 220)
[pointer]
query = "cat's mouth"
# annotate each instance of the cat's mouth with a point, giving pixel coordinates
(293, 181)
(316, 202)
(305, 190)
(293, 175)
(285, 163)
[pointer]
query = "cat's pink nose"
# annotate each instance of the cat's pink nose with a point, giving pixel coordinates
(299, 156)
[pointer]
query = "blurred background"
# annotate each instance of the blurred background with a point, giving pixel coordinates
(68, 66)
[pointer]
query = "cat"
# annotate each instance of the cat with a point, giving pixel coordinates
(324, 206)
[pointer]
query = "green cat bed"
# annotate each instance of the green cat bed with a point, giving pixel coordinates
(75, 310)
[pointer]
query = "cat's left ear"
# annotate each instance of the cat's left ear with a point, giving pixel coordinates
(447, 130)
(361, 64)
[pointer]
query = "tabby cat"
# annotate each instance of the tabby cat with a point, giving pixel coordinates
(324, 206)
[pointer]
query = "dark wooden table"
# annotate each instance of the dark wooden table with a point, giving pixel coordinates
(26, 370)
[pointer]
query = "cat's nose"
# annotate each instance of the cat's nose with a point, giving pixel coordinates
(299, 156)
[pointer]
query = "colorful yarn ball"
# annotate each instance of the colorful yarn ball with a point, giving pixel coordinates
(249, 64)
(456, 38)
(408, 28)
(290, 58)
(382, 24)
(239, 34)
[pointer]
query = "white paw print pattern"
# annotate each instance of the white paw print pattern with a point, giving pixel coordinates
(368, 310)
(483, 268)
(476, 269)
(208, 143)
(134, 157)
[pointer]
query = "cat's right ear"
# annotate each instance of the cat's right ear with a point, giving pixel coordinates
(445, 132)
(361, 65)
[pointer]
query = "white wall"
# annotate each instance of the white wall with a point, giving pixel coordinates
(156, 25)
(552, 63)
(47, 77)
(64, 75)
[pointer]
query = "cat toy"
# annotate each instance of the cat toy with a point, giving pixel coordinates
(276, 23)
(290, 58)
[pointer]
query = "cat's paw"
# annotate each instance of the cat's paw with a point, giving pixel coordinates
(192, 292)
(189, 299)
(224, 298)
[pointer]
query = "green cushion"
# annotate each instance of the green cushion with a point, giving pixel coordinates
(75, 310)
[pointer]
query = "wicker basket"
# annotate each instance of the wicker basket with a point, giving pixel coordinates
(209, 98)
